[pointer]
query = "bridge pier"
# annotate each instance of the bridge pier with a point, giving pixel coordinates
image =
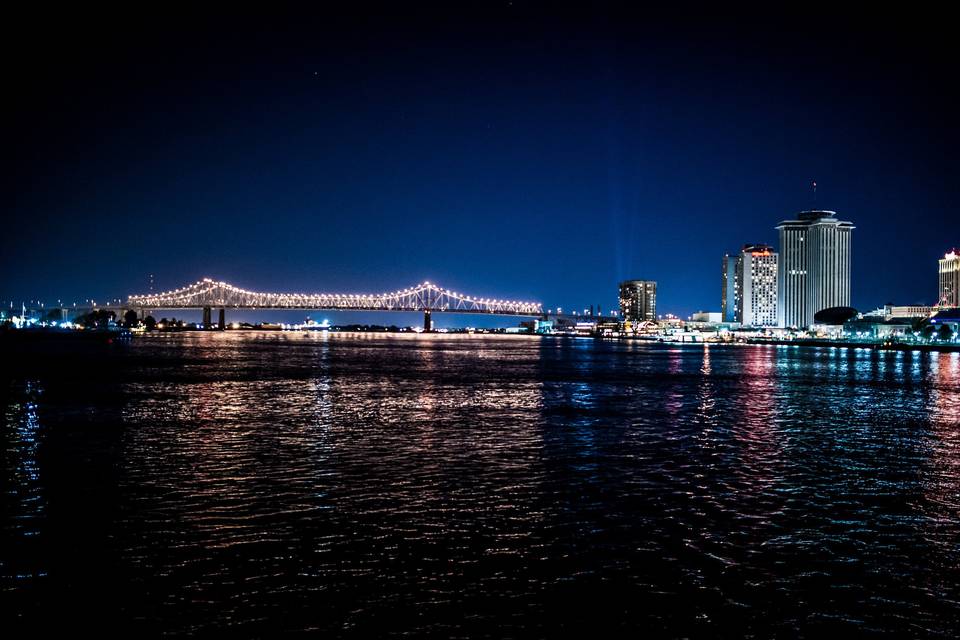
(427, 321)
(222, 320)
(206, 318)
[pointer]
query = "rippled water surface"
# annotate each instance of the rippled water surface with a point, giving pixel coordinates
(478, 486)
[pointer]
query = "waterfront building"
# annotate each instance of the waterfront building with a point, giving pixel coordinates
(891, 312)
(814, 266)
(711, 317)
(950, 280)
(757, 274)
(730, 287)
(750, 286)
(875, 328)
(638, 301)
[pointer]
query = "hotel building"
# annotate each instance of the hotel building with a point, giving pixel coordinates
(750, 286)
(757, 274)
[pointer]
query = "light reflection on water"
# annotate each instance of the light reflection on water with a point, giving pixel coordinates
(476, 485)
(22, 502)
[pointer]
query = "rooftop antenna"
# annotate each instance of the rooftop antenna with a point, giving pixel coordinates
(814, 193)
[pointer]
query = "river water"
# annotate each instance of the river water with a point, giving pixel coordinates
(355, 485)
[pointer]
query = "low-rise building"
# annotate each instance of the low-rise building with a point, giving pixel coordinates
(707, 316)
(890, 311)
(877, 328)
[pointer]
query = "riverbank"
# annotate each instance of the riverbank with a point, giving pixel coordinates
(802, 342)
(848, 344)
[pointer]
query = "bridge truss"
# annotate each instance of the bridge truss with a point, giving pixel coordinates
(425, 297)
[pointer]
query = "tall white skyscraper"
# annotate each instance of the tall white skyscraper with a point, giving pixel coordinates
(814, 271)
(757, 274)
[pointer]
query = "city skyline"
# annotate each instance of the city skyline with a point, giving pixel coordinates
(733, 307)
(734, 279)
(333, 158)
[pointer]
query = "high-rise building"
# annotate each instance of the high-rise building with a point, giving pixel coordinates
(750, 286)
(950, 280)
(814, 270)
(638, 300)
(757, 274)
(730, 285)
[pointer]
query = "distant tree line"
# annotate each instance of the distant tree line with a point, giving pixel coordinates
(926, 329)
(102, 318)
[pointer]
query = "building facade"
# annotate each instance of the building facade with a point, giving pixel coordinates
(814, 267)
(711, 317)
(638, 301)
(900, 312)
(750, 286)
(757, 271)
(950, 280)
(730, 287)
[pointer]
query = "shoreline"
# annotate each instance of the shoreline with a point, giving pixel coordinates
(878, 346)
(838, 344)
(22, 338)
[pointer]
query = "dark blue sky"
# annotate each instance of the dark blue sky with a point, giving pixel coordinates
(508, 150)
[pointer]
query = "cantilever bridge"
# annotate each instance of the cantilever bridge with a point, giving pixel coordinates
(426, 297)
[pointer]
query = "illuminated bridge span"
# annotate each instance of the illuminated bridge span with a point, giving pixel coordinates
(426, 297)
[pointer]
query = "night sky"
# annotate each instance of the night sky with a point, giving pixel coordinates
(501, 149)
